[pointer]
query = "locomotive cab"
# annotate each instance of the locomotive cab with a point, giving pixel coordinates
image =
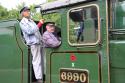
(92, 50)
(80, 35)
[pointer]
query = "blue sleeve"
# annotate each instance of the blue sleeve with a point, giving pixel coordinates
(28, 28)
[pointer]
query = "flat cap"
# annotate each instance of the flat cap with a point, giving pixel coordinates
(49, 24)
(24, 9)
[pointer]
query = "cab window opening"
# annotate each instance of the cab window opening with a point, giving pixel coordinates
(56, 19)
(83, 25)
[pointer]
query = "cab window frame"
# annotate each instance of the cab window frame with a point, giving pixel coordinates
(114, 14)
(68, 26)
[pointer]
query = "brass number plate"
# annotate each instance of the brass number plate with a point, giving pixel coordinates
(75, 76)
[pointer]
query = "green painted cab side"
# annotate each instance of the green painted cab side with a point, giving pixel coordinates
(63, 60)
(117, 43)
(106, 65)
(59, 57)
(13, 53)
(117, 60)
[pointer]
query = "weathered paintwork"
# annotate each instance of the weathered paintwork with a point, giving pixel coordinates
(103, 61)
(117, 43)
(59, 58)
(13, 54)
(117, 60)
(63, 60)
(110, 49)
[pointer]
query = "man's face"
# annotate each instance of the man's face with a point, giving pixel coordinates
(50, 28)
(26, 13)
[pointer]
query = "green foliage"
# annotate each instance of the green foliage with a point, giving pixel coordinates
(3, 12)
(14, 14)
(10, 14)
(35, 14)
(20, 6)
(51, 0)
(55, 17)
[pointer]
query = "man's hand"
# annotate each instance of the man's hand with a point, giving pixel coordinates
(42, 21)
